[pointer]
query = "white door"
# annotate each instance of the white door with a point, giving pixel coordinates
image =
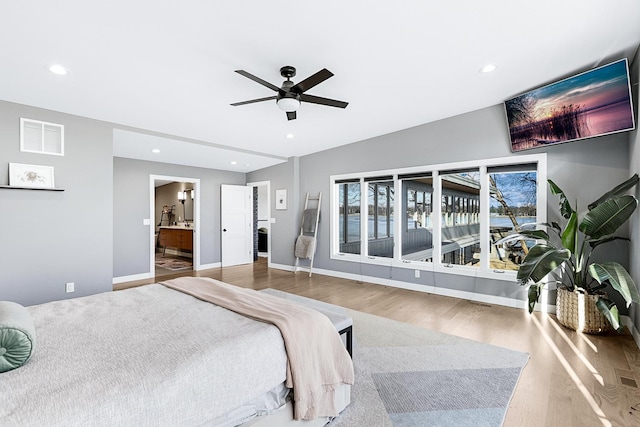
(236, 219)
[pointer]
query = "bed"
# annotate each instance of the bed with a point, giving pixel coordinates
(151, 355)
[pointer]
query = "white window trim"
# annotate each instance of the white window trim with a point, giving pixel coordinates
(483, 270)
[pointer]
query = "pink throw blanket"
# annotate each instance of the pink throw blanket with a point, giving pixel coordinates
(317, 360)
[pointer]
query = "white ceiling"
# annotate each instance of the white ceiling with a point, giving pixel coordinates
(164, 70)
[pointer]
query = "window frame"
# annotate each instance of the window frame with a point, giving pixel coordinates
(483, 210)
(344, 230)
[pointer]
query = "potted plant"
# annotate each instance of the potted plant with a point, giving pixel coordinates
(568, 254)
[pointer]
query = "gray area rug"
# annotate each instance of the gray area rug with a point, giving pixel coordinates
(409, 376)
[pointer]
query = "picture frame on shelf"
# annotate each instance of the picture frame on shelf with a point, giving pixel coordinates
(30, 176)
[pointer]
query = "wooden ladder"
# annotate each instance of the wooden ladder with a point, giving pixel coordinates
(310, 228)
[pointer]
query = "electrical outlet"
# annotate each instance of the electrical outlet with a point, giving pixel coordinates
(417, 273)
(70, 287)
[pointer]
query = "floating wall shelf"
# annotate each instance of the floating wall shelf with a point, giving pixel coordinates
(13, 187)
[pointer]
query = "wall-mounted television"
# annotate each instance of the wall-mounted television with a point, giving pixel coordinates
(596, 102)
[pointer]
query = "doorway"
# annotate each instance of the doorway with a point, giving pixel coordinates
(236, 207)
(262, 220)
(174, 236)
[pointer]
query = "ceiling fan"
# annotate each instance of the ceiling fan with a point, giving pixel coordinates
(290, 95)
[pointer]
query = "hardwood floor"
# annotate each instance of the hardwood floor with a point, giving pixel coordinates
(571, 380)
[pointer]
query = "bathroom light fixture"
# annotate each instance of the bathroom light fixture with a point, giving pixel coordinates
(182, 196)
(233, 162)
(58, 69)
(155, 150)
(289, 136)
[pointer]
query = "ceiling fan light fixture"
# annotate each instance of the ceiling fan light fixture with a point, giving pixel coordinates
(289, 96)
(288, 104)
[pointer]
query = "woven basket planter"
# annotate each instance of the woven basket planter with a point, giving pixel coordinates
(578, 311)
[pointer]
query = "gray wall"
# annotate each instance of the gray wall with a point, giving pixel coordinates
(50, 238)
(584, 169)
(131, 246)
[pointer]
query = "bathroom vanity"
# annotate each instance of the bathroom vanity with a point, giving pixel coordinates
(178, 237)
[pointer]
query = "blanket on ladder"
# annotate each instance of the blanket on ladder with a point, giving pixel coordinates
(317, 360)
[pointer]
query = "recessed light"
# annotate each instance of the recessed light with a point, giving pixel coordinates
(58, 69)
(488, 68)
(155, 150)
(290, 136)
(234, 162)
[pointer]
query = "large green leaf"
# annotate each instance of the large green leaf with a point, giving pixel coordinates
(541, 260)
(617, 191)
(570, 234)
(610, 311)
(608, 216)
(565, 207)
(618, 278)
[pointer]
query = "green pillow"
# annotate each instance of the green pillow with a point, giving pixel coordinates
(17, 335)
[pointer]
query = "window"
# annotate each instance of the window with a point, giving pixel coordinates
(41, 137)
(349, 217)
(380, 206)
(452, 215)
(513, 208)
(417, 234)
(459, 228)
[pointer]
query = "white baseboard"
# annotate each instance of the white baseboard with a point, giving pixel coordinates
(281, 267)
(207, 266)
(471, 296)
(132, 278)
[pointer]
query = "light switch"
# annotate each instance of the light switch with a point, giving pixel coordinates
(146, 221)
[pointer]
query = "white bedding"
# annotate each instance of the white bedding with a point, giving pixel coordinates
(143, 356)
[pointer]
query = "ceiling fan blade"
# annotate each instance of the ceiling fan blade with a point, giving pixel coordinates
(323, 101)
(311, 81)
(268, 98)
(258, 80)
(291, 115)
